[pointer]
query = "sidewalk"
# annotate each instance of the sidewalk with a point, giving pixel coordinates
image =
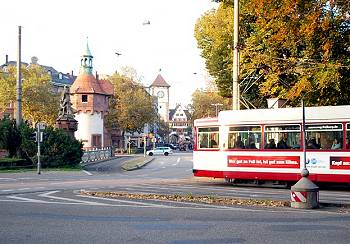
(132, 161)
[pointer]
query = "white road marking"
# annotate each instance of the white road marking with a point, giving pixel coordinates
(8, 190)
(178, 160)
(87, 172)
(48, 195)
(26, 199)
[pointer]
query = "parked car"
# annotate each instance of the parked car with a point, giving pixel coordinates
(172, 146)
(160, 151)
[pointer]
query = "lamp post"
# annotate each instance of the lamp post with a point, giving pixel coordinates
(216, 107)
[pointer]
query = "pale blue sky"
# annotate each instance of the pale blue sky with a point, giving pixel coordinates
(55, 31)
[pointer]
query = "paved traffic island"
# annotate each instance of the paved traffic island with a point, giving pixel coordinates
(215, 200)
(136, 163)
(212, 200)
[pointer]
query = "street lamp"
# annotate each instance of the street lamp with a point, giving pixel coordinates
(216, 107)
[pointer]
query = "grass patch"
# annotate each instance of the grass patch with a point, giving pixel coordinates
(34, 168)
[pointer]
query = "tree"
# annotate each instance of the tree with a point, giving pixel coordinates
(163, 129)
(203, 104)
(131, 107)
(298, 48)
(38, 102)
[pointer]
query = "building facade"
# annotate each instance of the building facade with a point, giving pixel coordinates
(179, 121)
(160, 89)
(90, 97)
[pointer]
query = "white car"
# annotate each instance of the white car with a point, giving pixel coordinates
(160, 151)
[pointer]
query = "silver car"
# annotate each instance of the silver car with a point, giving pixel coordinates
(160, 151)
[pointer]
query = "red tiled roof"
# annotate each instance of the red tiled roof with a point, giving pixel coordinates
(107, 86)
(87, 83)
(160, 82)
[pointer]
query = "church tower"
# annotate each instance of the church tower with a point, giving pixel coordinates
(89, 97)
(160, 89)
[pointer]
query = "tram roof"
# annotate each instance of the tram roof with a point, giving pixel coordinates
(312, 114)
(279, 115)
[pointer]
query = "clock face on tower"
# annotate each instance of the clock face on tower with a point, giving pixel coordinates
(160, 94)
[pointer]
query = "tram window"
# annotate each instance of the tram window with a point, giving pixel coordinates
(244, 137)
(208, 137)
(282, 137)
(324, 136)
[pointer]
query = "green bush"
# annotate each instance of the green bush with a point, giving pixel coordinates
(59, 149)
(10, 138)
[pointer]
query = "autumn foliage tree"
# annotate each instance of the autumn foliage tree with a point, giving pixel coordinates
(131, 107)
(203, 101)
(38, 102)
(297, 48)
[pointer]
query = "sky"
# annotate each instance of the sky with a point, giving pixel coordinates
(55, 31)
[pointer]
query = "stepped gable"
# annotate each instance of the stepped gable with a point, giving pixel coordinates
(160, 82)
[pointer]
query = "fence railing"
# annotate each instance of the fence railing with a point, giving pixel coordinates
(91, 155)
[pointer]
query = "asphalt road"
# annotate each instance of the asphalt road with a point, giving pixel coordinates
(48, 208)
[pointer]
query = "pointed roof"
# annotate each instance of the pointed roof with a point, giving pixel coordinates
(160, 82)
(87, 51)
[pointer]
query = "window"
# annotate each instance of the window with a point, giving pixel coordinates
(324, 136)
(96, 141)
(208, 137)
(282, 137)
(244, 137)
(84, 98)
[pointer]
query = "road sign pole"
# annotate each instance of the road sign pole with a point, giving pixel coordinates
(38, 141)
(144, 146)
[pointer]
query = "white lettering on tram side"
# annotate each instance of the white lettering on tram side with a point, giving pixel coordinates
(337, 163)
(291, 162)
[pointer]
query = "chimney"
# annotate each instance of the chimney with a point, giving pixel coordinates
(6, 59)
(72, 73)
(96, 75)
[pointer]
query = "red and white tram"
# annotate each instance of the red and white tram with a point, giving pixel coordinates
(267, 144)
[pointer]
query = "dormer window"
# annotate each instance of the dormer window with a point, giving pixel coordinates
(84, 98)
(49, 72)
(60, 76)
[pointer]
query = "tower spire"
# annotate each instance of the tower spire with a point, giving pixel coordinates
(86, 60)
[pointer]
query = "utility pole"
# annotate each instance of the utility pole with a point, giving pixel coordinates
(235, 68)
(216, 107)
(19, 82)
